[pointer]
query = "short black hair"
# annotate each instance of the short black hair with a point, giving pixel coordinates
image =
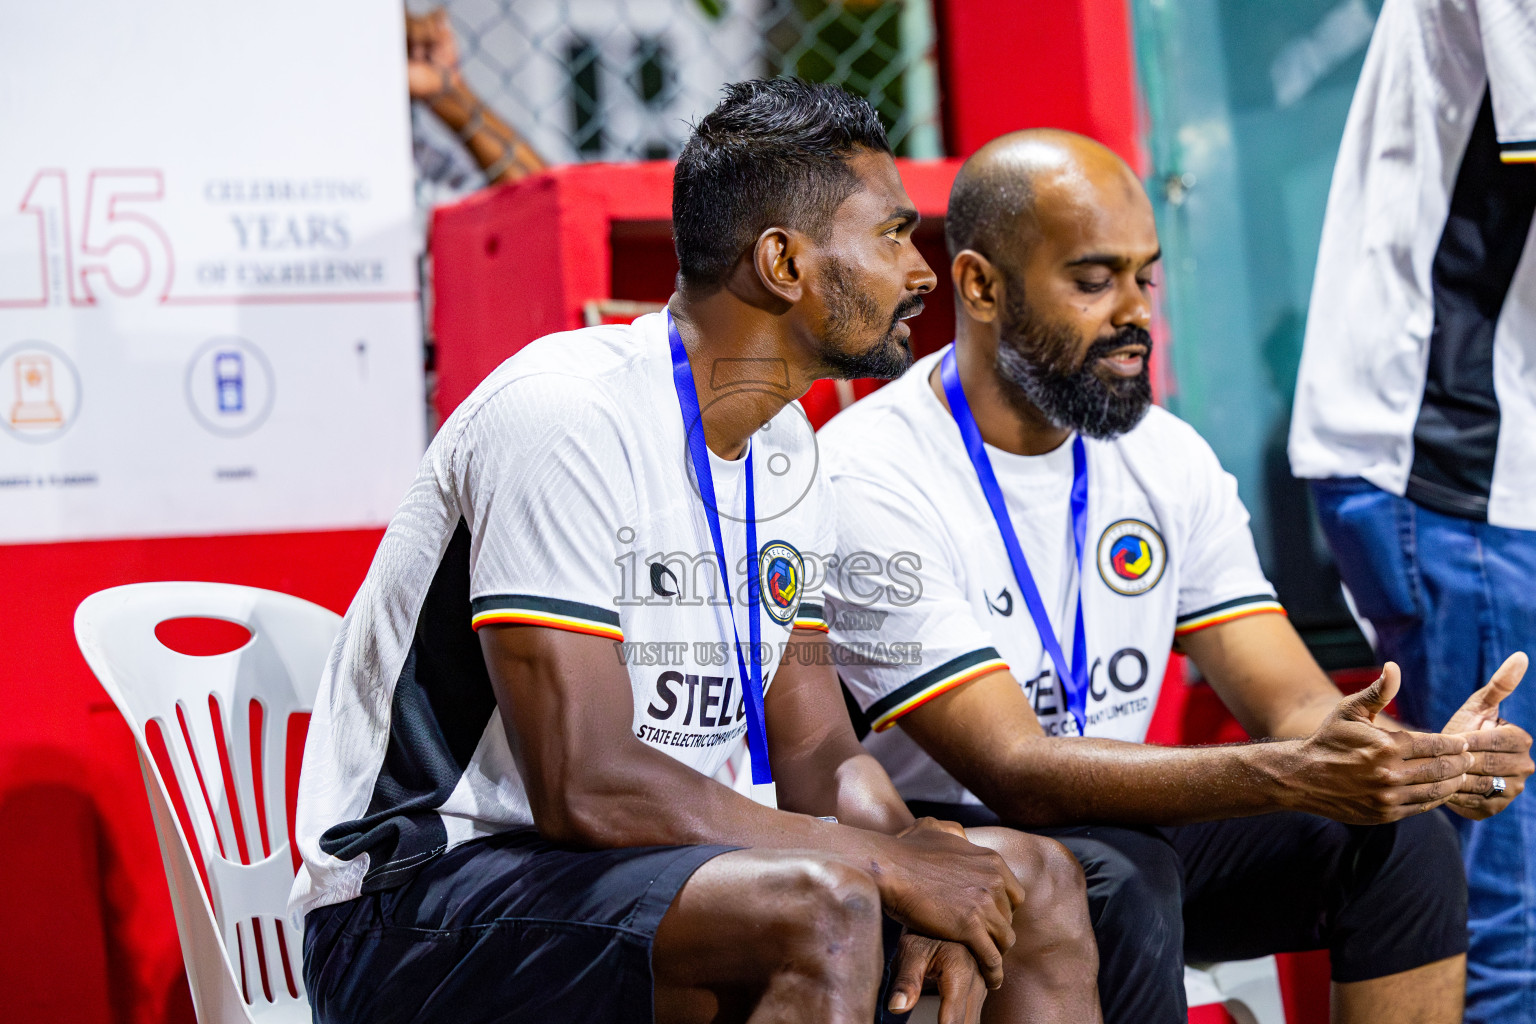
(773, 152)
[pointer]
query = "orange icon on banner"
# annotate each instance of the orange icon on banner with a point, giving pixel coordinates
(35, 405)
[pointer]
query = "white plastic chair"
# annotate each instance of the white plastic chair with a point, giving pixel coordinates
(216, 738)
(1248, 989)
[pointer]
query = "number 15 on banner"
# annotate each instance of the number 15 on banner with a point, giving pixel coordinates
(116, 247)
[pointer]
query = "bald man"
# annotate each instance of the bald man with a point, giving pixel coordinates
(1038, 537)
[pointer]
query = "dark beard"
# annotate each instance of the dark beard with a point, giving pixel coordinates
(1030, 354)
(850, 313)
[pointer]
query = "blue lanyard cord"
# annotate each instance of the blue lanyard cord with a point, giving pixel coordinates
(1074, 682)
(698, 454)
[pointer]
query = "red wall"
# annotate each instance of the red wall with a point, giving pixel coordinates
(1011, 64)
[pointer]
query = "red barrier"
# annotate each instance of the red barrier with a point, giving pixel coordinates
(1007, 65)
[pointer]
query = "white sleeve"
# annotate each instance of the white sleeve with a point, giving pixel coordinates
(546, 489)
(1219, 574)
(1508, 29)
(901, 625)
(820, 556)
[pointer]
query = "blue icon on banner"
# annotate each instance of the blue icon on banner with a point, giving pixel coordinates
(229, 381)
(243, 386)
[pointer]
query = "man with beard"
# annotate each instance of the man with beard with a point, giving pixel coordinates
(507, 808)
(1050, 536)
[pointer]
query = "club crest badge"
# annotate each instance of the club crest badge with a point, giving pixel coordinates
(1131, 557)
(782, 571)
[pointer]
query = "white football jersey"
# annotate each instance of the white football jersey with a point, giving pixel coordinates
(923, 597)
(559, 494)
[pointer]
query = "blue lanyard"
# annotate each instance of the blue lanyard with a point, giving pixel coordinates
(1075, 682)
(698, 453)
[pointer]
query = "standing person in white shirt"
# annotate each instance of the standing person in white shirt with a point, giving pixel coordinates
(507, 809)
(1415, 414)
(1015, 506)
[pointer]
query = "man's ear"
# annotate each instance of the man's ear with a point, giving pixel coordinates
(776, 256)
(978, 285)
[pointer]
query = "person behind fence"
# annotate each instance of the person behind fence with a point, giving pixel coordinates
(484, 149)
(1067, 535)
(1415, 414)
(504, 816)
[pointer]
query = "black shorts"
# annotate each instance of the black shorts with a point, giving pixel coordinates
(1380, 899)
(505, 928)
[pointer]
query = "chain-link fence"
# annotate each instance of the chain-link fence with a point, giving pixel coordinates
(623, 79)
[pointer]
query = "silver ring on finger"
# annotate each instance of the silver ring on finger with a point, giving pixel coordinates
(1498, 787)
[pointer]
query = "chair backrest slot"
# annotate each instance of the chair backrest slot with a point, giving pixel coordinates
(154, 739)
(261, 958)
(197, 769)
(245, 988)
(298, 729)
(287, 958)
(226, 767)
(258, 777)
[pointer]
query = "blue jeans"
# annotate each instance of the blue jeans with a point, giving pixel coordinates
(1450, 599)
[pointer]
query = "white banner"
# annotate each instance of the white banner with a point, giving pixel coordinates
(208, 308)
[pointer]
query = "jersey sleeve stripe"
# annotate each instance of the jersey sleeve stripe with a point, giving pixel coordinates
(529, 610)
(1242, 607)
(1521, 152)
(811, 616)
(955, 672)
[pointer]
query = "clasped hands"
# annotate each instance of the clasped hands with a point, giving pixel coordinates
(1356, 771)
(964, 892)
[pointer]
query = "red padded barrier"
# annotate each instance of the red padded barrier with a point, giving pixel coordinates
(1006, 65)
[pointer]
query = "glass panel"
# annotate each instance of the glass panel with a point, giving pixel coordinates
(1247, 103)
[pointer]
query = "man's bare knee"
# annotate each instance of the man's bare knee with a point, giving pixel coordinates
(786, 928)
(1037, 862)
(823, 904)
(1054, 914)
(824, 956)
(1061, 870)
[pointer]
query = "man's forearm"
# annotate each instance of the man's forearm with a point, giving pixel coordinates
(845, 783)
(866, 799)
(651, 799)
(1072, 781)
(499, 150)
